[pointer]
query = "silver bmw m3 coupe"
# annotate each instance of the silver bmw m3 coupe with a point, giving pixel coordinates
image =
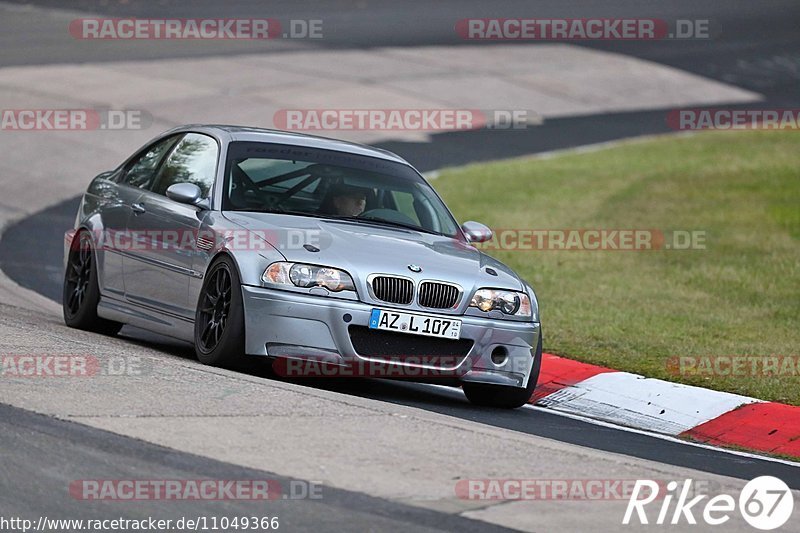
(329, 257)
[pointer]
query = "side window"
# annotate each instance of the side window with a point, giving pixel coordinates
(141, 172)
(194, 160)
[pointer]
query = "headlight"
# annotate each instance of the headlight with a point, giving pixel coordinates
(509, 302)
(308, 276)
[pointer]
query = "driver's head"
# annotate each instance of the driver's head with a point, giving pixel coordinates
(349, 201)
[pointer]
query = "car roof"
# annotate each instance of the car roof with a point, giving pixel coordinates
(252, 134)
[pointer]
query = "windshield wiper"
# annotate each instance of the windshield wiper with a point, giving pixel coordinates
(276, 211)
(390, 223)
(367, 220)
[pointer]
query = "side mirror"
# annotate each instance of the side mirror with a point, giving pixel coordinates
(185, 193)
(476, 232)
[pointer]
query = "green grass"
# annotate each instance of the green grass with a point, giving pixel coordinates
(634, 310)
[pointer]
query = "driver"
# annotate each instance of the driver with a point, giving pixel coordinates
(347, 200)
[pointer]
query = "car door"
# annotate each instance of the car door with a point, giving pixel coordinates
(159, 269)
(119, 196)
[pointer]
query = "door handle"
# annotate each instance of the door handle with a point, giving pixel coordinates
(138, 208)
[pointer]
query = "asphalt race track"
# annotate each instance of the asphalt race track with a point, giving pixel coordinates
(67, 451)
(758, 50)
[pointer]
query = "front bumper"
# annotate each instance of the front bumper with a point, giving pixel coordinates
(294, 326)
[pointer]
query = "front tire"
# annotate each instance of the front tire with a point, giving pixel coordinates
(81, 292)
(506, 397)
(219, 319)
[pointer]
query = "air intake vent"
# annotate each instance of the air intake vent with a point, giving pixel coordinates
(204, 244)
(438, 295)
(397, 347)
(393, 290)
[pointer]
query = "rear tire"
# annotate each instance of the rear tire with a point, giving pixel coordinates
(219, 319)
(81, 292)
(506, 397)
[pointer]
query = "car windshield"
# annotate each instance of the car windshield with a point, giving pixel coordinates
(274, 178)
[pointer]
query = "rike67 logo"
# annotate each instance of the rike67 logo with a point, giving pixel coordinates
(766, 503)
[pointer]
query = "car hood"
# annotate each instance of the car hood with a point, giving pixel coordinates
(363, 249)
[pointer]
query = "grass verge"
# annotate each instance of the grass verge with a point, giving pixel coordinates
(638, 311)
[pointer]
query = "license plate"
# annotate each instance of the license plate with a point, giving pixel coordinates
(432, 326)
